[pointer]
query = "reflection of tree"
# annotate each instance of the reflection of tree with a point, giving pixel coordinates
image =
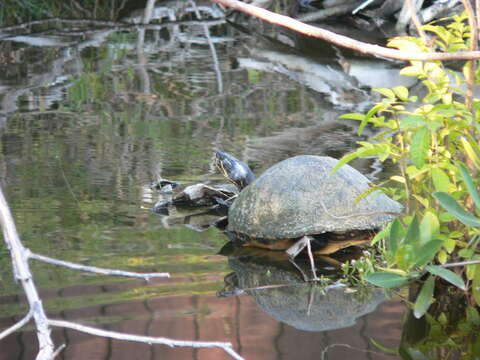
(14, 12)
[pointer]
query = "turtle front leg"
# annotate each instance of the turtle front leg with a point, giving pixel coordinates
(298, 247)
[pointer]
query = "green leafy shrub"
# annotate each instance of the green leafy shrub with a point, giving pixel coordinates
(433, 143)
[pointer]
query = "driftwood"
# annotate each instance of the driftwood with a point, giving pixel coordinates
(344, 41)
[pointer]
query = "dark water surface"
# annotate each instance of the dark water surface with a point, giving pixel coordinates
(88, 121)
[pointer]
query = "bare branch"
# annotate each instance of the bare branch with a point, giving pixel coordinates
(145, 339)
(17, 325)
(59, 349)
(344, 41)
(93, 269)
(22, 271)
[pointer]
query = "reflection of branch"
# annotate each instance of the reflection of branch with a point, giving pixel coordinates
(17, 325)
(216, 65)
(93, 269)
(144, 339)
(344, 41)
(107, 25)
(20, 256)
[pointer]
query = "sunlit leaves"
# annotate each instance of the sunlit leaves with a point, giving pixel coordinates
(419, 147)
(471, 150)
(429, 227)
(441, 181)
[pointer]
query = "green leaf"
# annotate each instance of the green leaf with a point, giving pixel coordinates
(449, 245)
(353, 116)
(429, 227)
(376, 108)
(386, 280)
(441, 181)
(447, 275)
(451, 205)
(411, 71)
(401, 92)
(425, 298)
(380, 235)
(386, 92)
(471, 152)
(419, 147)
(471, 270)
(396, 235)
(467, 179)
(427, 252)
(412, 122)
(476, 286)
(345, 159)
(413, 232)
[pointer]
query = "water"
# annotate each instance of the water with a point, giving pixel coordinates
(88, 122)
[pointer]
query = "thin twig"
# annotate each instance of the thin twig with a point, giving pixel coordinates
(414, 17)
(17, 325)
(216, 64)
(323, 354)
(473, 47)
(344, 41)
(144, 339)
(59, 349)
(461, 263)
(93, 269)
(362, 6)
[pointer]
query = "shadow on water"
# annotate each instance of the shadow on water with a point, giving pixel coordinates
(91, 112)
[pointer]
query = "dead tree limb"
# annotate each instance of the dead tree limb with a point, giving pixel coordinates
(23, 274)
(17, 325)
(93, 269)
(344, 41)
(144, 339)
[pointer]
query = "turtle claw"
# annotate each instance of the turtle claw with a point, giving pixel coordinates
(297, 248)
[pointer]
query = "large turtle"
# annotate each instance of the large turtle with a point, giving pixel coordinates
(300, 203)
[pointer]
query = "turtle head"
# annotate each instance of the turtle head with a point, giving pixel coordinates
(233, 169)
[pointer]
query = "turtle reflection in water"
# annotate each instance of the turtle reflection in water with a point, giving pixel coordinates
(305, 306)
(298, 203)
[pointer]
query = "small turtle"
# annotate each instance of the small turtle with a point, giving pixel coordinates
(298, 203)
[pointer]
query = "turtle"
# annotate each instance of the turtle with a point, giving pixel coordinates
(301, 203)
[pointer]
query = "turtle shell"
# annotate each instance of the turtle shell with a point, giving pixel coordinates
(299, 196)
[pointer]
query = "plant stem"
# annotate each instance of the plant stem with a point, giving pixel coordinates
(473, 47)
